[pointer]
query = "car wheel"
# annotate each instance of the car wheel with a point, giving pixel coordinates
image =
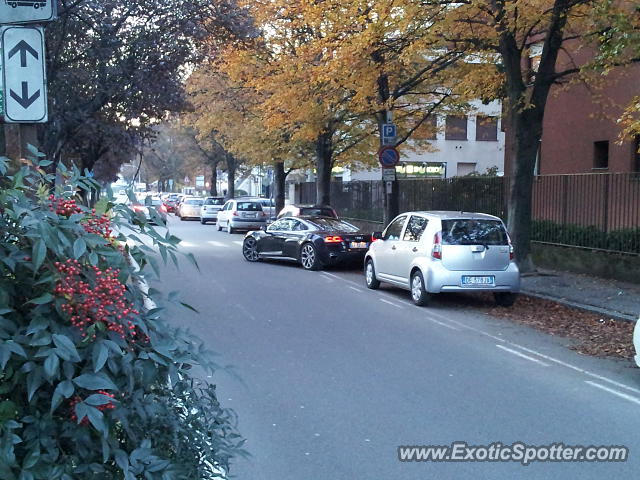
(182, 219)
(370, 275)
(309, 257)
(203, 221)
(218, 226)
(250, 249)
(505, 299)
(419, 294)
(229, 228)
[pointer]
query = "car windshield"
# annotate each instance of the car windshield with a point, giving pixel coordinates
(473, 232)
(193, 201)
(249, 206)
(214, 201)
(322, 211)
(333, 224)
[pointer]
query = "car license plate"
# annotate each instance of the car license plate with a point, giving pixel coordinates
(478, 280)
(358, 245)
(249, 215)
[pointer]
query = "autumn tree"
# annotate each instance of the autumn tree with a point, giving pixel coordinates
(115, 67)
(531, 43)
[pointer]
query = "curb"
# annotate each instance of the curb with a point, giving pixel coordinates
(626, 317)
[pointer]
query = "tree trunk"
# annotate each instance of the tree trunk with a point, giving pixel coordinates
(213, 190)
(231, 176)
(279, 185)
(324, 165)
(527, 129)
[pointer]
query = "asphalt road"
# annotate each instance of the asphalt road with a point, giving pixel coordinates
(334, 377)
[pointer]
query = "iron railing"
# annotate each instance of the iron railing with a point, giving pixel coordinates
(585, 210)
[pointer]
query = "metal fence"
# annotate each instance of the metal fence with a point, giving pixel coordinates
(585, 210)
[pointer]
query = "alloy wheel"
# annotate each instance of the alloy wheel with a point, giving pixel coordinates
(308, 256)
(250, 249)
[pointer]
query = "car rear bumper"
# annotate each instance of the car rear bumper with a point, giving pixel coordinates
(209, 215)
(247, 223)
(333, 256)
(439, 279)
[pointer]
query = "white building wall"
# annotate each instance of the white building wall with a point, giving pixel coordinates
(472, 154)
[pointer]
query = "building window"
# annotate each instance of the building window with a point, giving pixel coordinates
(464, 169)
(486, 129)
(456, 127)
(636, 155)
(601, 154)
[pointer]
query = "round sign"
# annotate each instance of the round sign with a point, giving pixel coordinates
(388, 156)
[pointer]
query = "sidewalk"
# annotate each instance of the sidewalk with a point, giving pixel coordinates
(609, 297)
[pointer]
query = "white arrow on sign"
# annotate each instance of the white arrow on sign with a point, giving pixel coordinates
(23, 72)
(27, 11)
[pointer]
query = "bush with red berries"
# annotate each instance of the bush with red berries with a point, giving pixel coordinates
(94, 384)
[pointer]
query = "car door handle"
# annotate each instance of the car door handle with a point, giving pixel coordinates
(393, 248)
(414, 249)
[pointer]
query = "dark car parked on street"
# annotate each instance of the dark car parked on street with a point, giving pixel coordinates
(312, 241)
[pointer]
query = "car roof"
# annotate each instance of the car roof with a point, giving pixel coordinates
(453, 214)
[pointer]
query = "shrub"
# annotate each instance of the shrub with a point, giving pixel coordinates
(93, 384)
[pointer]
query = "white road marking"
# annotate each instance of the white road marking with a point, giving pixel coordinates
(356, 289)
(546, 357)
(390, 303)
(442, 323)
(238, 242)
(327, 276)
(332, 275)
(187, 244)
(614, 392)
(522, 355)
(217, 244)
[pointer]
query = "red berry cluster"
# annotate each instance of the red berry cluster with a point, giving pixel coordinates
(89, 304)
(99, 225)
(85, 421)
(63, 206)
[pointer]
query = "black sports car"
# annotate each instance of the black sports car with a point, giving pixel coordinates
(312, 241)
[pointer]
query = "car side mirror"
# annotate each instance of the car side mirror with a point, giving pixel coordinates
(376, 236)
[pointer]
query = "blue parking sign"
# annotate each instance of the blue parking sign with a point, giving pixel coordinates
(389, 130)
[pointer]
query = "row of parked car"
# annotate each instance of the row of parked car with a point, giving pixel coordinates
(425, 252)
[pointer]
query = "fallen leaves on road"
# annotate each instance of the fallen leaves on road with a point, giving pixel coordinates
(596, 334)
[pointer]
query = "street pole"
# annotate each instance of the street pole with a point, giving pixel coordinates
(390, 188)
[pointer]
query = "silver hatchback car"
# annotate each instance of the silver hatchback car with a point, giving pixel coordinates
(439, 251)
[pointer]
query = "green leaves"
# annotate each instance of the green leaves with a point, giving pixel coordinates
(65, 348)
(79, 247)
(95, 381)
(38, 252)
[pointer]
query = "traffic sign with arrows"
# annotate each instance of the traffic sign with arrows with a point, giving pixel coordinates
(23, 75)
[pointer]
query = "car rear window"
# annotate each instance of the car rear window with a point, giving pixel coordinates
(324, 212)
(249, 206)
(156, 201)
(473, 232)
(214, 201)
(333, 224)
(193, 201)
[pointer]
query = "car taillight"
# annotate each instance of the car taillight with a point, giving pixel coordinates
(512, 254)
(163, 208)
(333, 239)
(373, 239)
(436, 252)
(263, 214)
(138, 208)
(235, 214)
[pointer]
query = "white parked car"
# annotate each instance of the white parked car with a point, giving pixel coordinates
(210, 208)
(239, 214)
(636, 341)
(189, 208)
(434, 252)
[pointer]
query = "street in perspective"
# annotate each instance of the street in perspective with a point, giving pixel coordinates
(309, 240)
(330, 378)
